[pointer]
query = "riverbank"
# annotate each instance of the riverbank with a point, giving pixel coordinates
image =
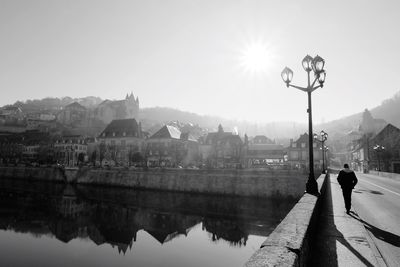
(248, 182)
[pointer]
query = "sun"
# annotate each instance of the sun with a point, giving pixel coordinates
(256, 57)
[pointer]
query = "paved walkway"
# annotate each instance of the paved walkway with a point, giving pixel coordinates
(341, 239)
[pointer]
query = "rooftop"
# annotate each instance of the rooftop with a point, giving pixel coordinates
(122, 128)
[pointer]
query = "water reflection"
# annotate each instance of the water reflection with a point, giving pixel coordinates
(115, 216)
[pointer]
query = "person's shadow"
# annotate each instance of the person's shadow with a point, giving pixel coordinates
(383, 235)
(323, 248)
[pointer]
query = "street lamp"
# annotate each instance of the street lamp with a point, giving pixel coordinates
(315, 65)
(324, 137)
(379, 149)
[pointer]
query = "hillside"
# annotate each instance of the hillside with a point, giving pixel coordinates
(389, 110)
(162, 115)
(54, 103)
(153, 118)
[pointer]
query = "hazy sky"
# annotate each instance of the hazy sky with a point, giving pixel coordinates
(202, 56)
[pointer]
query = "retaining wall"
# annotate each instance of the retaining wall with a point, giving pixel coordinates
(33, 173)
(288, 244)
(231, 182)
(255, 183)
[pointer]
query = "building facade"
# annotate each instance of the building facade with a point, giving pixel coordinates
(71, 150)
(298, 153)
(169, 147)
(121, 143)
(364, 157)
(221, 150)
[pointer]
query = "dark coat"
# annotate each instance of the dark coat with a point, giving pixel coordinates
(347, 179)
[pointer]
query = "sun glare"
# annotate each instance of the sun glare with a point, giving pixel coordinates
(256, 58)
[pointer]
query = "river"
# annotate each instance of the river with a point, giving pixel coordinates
(54, 224)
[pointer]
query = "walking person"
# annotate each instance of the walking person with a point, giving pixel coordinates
(347, 180)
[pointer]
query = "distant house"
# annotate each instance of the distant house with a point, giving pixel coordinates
(120, 142)
(41, 125)
(73, 113)
(168, 147)
(11, 115)
(221, 149)
(109, 110)
(298, 153)
(364, 157)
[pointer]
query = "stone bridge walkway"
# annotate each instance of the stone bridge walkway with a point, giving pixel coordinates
(341, 239)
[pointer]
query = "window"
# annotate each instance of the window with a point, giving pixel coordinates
(294, 145)
(124, 134)
(123, 143)
(113, 134)
(303, 145)
(314, 144)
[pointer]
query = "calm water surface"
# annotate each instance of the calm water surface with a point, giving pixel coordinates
(45, 224)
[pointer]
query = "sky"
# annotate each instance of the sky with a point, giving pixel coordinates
(211, 57)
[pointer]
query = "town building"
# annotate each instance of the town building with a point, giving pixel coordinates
(298, 153)
(26, 147)
(221, 149)
(70, 150)
(11, 115)
(72, 114)
(169, 147)
(262, 152)
(364, 157)
(120, 143)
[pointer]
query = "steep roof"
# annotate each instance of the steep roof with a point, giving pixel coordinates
(122, 128)
(212, 138)
(167, 131)
(233, 138)
(262, 139)
(188, 137)
(303, 138)
(387, 129)
(112, 103)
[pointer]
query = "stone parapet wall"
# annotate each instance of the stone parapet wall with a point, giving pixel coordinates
(288, 244)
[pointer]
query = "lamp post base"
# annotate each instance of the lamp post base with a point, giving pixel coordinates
(312, 186)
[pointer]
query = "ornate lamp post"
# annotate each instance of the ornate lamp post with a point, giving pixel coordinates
(316, 66)
(379, 149)
(324, 137)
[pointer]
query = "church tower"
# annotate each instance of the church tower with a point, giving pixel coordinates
(132, 106)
